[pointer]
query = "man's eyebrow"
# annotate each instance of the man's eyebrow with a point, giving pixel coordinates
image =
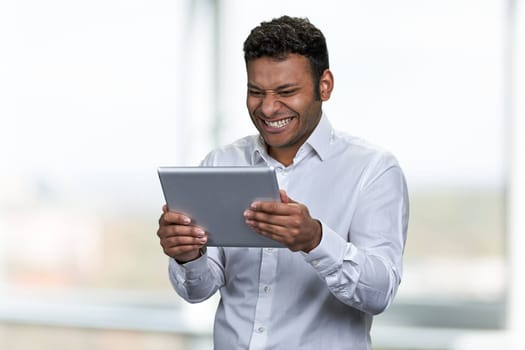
(278, 88)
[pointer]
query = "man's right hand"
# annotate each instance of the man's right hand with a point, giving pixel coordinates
(178, 237)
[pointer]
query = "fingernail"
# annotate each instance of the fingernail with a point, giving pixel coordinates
(186, 220)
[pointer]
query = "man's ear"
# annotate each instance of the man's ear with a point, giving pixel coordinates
(326, 85)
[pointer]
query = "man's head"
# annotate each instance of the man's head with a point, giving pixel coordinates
(288, 80)
(289, 35)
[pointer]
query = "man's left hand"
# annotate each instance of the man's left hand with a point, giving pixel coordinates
(287, 222)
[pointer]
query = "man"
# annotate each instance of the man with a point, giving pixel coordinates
(343, 215)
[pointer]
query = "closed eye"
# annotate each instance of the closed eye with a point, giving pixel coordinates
(255, 93)
(287, 93)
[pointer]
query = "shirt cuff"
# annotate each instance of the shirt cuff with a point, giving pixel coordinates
(333, 249)
(191, 269)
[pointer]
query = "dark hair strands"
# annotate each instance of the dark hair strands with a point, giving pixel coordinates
(289, 35)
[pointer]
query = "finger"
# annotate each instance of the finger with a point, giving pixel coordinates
(256, 217)
(272, 224)
(269, 207)
(164, 208)
(276, 233)
(180, 230)
(183, 241)
(275, 208)
(173, 217)
(271, 235)
(284, 196)
(271, 229)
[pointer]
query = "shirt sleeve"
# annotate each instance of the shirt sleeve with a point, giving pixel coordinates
(197, 280)
(366, 271)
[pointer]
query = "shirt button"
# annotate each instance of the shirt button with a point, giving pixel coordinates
(269, 250)
(267, 289)
(260, 329)
(315, 262)
(284, 172)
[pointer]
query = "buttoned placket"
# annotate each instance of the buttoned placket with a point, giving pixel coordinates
(267, 274)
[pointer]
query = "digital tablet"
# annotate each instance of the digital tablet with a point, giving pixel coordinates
(216, 198)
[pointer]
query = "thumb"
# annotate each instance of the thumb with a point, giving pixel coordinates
(285, 198)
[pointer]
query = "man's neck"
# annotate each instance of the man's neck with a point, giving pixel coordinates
(283, 156)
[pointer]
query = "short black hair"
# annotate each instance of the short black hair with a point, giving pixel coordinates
(285, 35)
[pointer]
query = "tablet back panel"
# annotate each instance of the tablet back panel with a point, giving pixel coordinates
(216, 198)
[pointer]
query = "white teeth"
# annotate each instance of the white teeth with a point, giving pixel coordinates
(279, 123)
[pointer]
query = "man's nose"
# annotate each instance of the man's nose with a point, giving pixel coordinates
(270, 104)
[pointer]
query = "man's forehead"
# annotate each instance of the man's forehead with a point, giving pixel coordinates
(269, 73)
(291, 58)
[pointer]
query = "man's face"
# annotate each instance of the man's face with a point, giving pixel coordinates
(281, 102)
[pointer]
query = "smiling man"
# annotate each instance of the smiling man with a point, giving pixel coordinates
(343, 215)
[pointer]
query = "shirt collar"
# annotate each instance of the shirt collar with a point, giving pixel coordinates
(322, 137)
(320, 140)
(259, 153)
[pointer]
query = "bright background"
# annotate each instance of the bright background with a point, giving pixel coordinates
(94, 96)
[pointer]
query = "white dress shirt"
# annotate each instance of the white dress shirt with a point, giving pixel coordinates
(274, 298)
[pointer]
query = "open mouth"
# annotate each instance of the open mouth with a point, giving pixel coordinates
(277, 124)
